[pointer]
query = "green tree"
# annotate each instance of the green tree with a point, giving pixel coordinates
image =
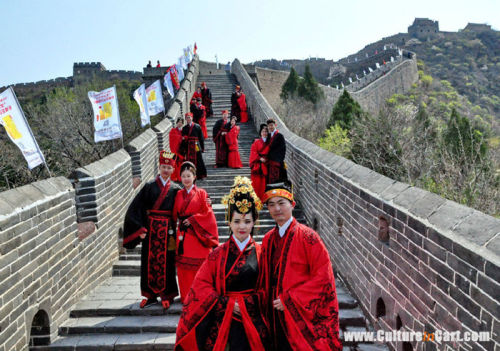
(336, 140)
(291, 85)
(461, 139)
(345, 110)
(308, 87)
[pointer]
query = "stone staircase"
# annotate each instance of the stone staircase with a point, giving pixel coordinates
(109, 318)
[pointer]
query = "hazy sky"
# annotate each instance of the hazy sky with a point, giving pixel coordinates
(42, 38)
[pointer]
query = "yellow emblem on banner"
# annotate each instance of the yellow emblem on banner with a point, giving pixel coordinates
(108, 110)
(152, 96)
(11, 128)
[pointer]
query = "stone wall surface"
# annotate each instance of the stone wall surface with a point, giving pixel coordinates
(440, 268)
(60, 237)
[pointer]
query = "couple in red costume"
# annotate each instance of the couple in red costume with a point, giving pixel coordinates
(152, 219)
(280, 296)
(239, 105)
(225, 136)
(267, 158)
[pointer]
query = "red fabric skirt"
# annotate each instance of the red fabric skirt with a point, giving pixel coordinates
(233, 160)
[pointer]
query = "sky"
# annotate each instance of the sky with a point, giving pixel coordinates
(43, 38)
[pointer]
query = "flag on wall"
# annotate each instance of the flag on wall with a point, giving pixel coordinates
(106, 114)
(13, 120)
(155, 98)
(141, 97)
(180, 72)
(195, 48)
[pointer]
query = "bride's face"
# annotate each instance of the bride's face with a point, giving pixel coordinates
(241, 225)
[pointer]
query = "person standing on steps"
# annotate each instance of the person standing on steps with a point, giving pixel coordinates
(258, 161)
(149, 220)
(197, 231)
(193, 145)
(175, 138)
(206, 97)
(297, 280)
(222, 310)
(233, 159)
(276, 156)
(200, 115)
(219, 132)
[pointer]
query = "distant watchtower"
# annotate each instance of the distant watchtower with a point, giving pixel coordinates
(423, 28)
(477, 27)
(83, 71)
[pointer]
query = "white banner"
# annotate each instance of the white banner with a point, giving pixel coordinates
(155, 98)
(167, 82)
(187, 56)
(180, 72)
(106, 115)
(182, 62)
(17, 128)
(142, 101)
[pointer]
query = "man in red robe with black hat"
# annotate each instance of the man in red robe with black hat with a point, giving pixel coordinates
(297, 280)
(149, 220)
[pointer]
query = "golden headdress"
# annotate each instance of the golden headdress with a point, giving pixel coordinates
(241, 198)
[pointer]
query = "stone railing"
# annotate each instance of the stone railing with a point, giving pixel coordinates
(59, 237)
(439, 268)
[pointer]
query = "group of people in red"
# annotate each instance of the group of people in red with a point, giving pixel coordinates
(239, 295)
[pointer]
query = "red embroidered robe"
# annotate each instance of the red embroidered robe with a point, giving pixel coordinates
(174, 139)
(233, 159)
(198, 238)
(207, 321)
(258, 169)
(242, 102)
(303, 280)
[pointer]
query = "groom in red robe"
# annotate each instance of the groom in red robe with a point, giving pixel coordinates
(297, 280)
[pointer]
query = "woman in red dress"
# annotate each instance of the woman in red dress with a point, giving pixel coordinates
(174, 139)
(197, 230)
(258, 161)
(242, 101)
(221, 311)
(233, 158)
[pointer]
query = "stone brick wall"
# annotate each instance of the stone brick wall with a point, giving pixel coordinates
(370, 92)
(440, 266)
(60, 237)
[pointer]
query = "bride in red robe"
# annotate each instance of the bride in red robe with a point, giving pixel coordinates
(197, 232)
(233, 158)
(222, 310)
(174, 139)
(258, 161)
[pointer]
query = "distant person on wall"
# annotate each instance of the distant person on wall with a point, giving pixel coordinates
(258, 161)
(193, 145)
(206, 98)
(219, 132)
(276, 156)
(200, 116)
(239, 105)
(149, 219)
(149, 64)
(228, 66)
(223, 310)
(233, 159)
(158, 64)
(197, 231)
(297, 280)
(175, 138)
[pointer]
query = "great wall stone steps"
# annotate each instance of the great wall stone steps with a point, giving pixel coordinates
(109, 318)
